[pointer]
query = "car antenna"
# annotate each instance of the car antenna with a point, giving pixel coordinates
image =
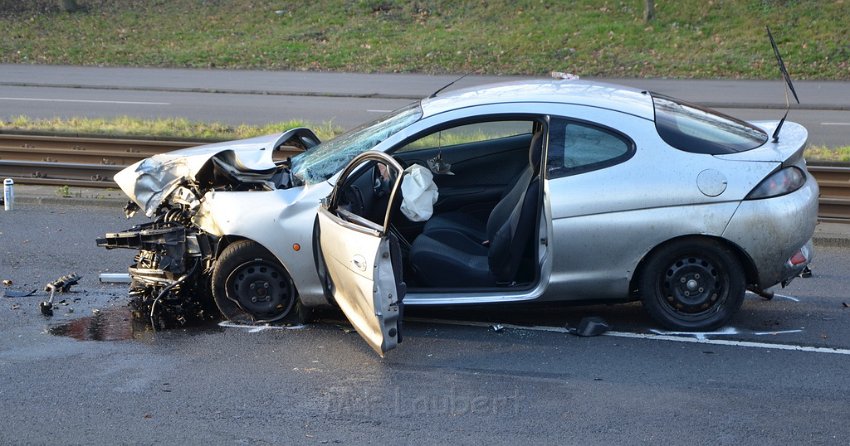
(434, 94)
(788, 85)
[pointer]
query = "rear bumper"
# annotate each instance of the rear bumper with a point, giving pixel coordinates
(772, 231)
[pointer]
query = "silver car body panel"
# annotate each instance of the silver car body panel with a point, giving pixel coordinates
(277, 220)
(770, 242)
(793, 139)
(587, 93)
(358, 262)
(595, 227)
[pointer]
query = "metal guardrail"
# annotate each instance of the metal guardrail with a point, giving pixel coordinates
(91, 162)
(74, 161)
(834, 202)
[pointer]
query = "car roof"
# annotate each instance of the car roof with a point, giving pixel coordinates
(578, 92)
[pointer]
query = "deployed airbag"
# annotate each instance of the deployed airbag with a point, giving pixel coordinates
(419, 192)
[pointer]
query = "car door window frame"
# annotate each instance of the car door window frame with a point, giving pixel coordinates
(558, 129)
(356, 221)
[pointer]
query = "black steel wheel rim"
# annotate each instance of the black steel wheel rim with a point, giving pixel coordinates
(260, 288)
(694, 286)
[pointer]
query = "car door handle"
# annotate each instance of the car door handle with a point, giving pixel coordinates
(360, 262)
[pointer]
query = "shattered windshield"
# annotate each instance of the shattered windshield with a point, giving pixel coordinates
(323, 161)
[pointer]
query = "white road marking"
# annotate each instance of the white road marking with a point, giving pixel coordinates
(84, 101)
(835, 123)
(259, 328)
(786, 297)
(775, 295)
(657, 337)
(727, 331)
(764, 345)
(378, 111)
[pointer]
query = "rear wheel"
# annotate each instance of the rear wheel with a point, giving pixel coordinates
(250, 286)
(692, 285)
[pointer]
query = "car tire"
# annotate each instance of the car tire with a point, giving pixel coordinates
(692, 285)
(250, 286)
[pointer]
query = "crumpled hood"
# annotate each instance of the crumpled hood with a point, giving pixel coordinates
(151, 180)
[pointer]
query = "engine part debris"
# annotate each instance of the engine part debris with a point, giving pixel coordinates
(63, 285)
(16, 293)
(46, 308)
(590, 326)
(115, 278)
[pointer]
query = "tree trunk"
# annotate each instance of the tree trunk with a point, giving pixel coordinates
(649, 10)
(68, 5)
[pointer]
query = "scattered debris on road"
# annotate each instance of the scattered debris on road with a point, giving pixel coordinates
(115, 278)
(16, 293)
(63, 285)
(590, 326)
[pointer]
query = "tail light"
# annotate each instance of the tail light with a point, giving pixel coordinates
(781, 182)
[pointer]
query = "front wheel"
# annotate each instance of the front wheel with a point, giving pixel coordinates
(692, 285)
(250, 286)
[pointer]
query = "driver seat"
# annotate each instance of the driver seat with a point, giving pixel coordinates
(451, 257)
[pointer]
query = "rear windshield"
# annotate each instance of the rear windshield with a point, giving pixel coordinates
(696, 129)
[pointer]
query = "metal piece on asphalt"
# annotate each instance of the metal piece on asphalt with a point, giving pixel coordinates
(590, 326)
(114, 278)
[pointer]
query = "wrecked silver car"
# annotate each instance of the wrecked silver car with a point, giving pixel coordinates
(543, 190)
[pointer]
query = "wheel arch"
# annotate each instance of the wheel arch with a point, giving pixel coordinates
(227, 240)
(750, 270)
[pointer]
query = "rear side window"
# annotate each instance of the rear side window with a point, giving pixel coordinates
(576, 147)
(696, 129)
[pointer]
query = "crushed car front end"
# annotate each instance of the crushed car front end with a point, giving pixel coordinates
(176, 251)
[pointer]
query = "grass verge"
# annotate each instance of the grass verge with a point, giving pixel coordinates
(125, 126)
(688, 39)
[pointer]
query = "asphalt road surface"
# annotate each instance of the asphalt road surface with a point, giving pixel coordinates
(777, 375)
(349, 99)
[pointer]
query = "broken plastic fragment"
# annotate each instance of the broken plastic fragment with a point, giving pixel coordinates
(497, 327)
(564, 76)
(16, 293)
(590, 326)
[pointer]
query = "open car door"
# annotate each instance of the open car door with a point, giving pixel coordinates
(358, 258)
